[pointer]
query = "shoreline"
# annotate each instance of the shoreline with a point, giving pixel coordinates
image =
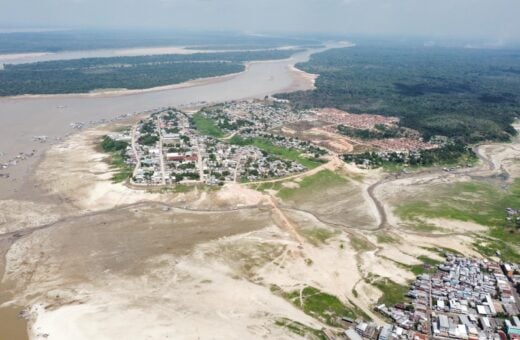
(127, 92)
(188, 83)
(17, 58)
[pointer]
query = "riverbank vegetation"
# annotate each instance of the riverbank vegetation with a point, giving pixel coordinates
(141, 72)
(82, 40)
(116, 149)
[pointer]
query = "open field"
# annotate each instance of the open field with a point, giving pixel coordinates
(330, 196)
(477, 202)
(320, 305)
(284, 153)
(207, 126)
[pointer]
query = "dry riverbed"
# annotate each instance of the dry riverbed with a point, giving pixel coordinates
(86, 255)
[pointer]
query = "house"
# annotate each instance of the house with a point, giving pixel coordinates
(352, 335)
(444, 324)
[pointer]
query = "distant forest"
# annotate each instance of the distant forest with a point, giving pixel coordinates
(466, 94)
(57, 41)
(85, 75)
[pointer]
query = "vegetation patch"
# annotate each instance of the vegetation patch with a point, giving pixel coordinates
(123, 170)
(360, 244)
(393, 293)
(269, 186)
(442, 251)
(301, 329)
(207, 126)
(322, 306)
(492, 248)
(317, 236)
(180, 188)
(477, 202)
(117, 149)
(419, 225)
(451, 154)
(383, 237)
(268, 147)
(312, 185)
(132, 72)
(428, 265)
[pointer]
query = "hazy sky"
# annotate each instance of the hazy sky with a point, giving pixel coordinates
(494, 19)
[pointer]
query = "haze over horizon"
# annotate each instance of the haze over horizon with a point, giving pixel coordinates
(492, 20)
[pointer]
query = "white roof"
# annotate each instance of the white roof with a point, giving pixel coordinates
(443, 321)
(482, 310)
(352, 335)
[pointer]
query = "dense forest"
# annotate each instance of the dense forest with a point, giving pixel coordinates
(85, 75)
(467, 94)
(450, 154)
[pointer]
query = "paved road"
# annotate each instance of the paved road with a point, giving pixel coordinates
(134, 149)
(161, 154)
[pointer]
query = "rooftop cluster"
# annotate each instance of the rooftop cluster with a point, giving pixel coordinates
(463, 299)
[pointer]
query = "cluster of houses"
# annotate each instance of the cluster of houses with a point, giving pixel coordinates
(226, 162)
(165, 149)
(253, 115)
(463, 299)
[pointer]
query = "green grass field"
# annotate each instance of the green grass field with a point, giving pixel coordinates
(285, 153)
(312, 185)
(320, 305)
(317, 236)
(489, 247)
(393, 293)
(123, 170)
(301, 329)
(207, 126)
(477, 202)
(383, 237)
(419, 269)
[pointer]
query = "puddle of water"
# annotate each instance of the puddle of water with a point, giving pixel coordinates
(12, 327)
